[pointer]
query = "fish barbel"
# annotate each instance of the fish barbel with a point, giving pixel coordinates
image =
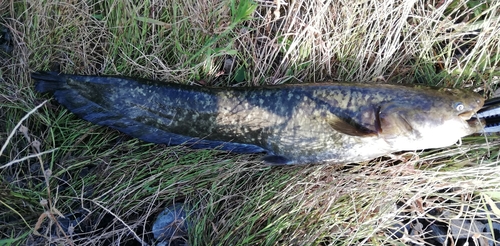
(293, 124)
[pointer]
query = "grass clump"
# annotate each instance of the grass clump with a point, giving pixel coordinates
(65, 181)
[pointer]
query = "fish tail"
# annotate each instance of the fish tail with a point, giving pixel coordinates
(66, 95)
(48, 81)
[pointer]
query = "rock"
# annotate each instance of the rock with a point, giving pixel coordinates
(171, 227)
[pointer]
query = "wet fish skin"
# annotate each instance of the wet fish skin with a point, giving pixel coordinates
(293, 124)
(143, 109)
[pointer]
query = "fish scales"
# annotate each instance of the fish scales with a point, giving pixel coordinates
(293, 124)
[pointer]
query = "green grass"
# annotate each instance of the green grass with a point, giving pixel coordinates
(123, 183)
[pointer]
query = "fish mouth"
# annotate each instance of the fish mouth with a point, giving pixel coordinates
(472, 118)
(474, 121)
(486, 116)
(467, 115)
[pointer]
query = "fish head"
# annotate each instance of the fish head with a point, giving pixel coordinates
(430, 119)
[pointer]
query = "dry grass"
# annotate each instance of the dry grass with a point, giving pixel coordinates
(119, 184)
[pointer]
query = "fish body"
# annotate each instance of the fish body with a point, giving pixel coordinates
(293, 124)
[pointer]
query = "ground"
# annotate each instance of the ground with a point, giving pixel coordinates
(68, 182)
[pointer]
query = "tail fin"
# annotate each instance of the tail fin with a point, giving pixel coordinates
(48, 81)
(80, 94)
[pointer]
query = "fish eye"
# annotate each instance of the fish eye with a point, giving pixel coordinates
(459, 106)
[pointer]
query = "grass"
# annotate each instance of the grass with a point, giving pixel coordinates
(120, 184)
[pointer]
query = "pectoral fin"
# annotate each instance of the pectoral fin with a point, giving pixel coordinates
(350, 127)
(393, 121)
